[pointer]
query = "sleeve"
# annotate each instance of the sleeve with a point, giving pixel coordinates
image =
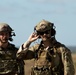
(26, 53)
(67, 61)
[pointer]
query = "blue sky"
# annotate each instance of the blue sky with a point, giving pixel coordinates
(23, 15)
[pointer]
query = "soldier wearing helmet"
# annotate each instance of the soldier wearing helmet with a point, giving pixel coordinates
(9, 64)
(51, 57)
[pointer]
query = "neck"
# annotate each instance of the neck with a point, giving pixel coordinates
(4, 45)
(47, 43)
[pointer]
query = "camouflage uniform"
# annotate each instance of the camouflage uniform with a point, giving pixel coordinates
(55, 60)
(9, 64)
(8, 59)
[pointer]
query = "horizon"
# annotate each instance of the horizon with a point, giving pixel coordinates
(23, 15)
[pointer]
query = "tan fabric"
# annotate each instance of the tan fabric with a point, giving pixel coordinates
(43, 26)
(5, 27)
(58, 58)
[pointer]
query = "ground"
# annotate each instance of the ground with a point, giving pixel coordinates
(74, 61)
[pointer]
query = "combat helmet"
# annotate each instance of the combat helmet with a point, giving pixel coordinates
(5, 27)
(43, 26)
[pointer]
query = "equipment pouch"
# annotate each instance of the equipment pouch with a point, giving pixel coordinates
(36, 71)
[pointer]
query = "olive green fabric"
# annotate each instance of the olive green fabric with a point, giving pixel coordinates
(5, 27)
(43, 26)
(8, 61)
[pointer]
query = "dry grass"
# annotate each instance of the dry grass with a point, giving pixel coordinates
(31, 63)
(74, 61)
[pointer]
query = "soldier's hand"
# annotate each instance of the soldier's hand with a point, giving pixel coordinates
(33, 37)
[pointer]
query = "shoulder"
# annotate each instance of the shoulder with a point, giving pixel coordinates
(61, 48)
(12, 46)
(34, 47)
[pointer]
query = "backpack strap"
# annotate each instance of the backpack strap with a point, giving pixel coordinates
(36, 52)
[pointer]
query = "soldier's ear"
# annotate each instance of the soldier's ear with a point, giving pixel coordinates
(53, 32)
(35, 28)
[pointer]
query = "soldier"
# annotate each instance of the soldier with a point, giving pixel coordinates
(51, 57)
(9, 64)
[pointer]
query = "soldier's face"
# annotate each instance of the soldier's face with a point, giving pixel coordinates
(4, 36)
(45, 35)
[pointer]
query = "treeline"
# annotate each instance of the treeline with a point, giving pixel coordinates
(72, 48)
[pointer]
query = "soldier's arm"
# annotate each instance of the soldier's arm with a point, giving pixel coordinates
(67, 61)
(25, 52)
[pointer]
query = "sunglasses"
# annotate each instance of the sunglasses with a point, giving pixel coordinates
(42, 33)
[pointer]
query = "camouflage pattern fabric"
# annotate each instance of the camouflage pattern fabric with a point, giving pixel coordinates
(43, 26)
(58, 58)
(8, 62)
(5, 27)
(40, 72)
